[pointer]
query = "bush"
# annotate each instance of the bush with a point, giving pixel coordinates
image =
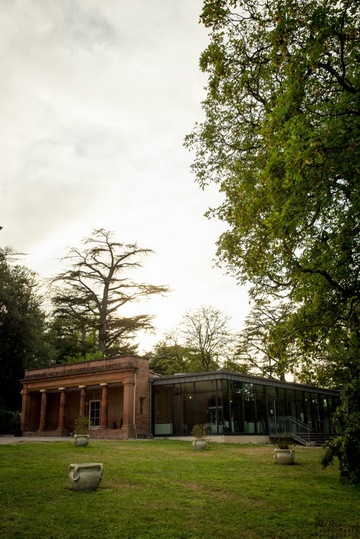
(9, 422)
(346, 446)
(81, 425)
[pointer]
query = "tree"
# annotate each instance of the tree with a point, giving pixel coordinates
(93, 290)
(346, 446)
(281, 139)
(202, 341)
(23, 339)
(170, 357)
(206, 331)
(262, 345)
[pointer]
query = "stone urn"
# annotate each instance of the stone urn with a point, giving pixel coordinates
(81, 440)
(284, 456)
(199, 432)
(200, 444)
(85, 476)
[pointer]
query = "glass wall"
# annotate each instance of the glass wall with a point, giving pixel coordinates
(163, 410)
(261, 416)
(206, 405)
(236, 407)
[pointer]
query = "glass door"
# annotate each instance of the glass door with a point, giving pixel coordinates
(94, 413)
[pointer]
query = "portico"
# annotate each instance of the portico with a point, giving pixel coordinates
(112, 393)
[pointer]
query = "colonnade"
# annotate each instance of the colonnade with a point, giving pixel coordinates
(128, 407)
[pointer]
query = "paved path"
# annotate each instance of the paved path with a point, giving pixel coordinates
(21, 439)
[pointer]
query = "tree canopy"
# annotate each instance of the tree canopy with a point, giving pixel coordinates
(281, 139)
(170, 357)
(203, 341)
(262, 344)
(206, 331)
(23, 337)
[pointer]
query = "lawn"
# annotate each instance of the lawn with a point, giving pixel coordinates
(164, 489)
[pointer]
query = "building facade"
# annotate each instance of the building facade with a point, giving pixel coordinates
(123, 399)
(112, 393)
(237, 405)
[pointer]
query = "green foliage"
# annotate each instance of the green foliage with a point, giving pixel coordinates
(23, 338)
(203, 341)
(284, 441)
(281, 138)
(81, 425)
(80, 357)
(169, 357)
(263, 344)
(199, 431)
(70, 341)
(9, 421)
(346, 446)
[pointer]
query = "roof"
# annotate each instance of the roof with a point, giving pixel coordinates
(238, 377)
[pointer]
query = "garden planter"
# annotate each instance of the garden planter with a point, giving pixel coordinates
(284, 456)
(200, 444)
(85, 476)
(81, 440)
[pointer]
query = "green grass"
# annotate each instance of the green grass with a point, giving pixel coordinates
(165, 489)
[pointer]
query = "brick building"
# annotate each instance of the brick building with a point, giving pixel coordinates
(113, 393)
(123, 399)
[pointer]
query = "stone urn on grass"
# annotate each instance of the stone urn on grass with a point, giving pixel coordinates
(85, 476)
(81, 431)
(199, 442)
(284, 452)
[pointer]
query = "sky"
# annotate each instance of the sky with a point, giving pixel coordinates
(96, 97)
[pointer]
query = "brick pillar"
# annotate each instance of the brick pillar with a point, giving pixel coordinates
(25, 409)
(43, 409)
(104, 406)
(82, 410)
(128, 407)
(61, 426)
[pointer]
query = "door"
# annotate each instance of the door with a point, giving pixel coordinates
(94, 413)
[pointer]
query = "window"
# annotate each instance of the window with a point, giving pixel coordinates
(94, 413)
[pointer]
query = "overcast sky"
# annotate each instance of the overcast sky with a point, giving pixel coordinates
(96, 97)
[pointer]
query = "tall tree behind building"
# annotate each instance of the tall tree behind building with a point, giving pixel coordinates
(207, 333)
(88, 296)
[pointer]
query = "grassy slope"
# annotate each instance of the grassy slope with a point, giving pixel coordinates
(165, 489)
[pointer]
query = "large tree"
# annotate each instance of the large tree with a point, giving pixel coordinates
(206, 331)
(263, 345)
(281, 138)
(89, 295)
(170, 357)
(23, 338)
(203, 341)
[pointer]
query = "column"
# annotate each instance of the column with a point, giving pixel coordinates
(128, 407)
(25, 406)
(104, 406)
(61, 426)
(43, 409)
(82, 410)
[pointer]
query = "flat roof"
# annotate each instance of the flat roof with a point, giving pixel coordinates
(238, 377)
